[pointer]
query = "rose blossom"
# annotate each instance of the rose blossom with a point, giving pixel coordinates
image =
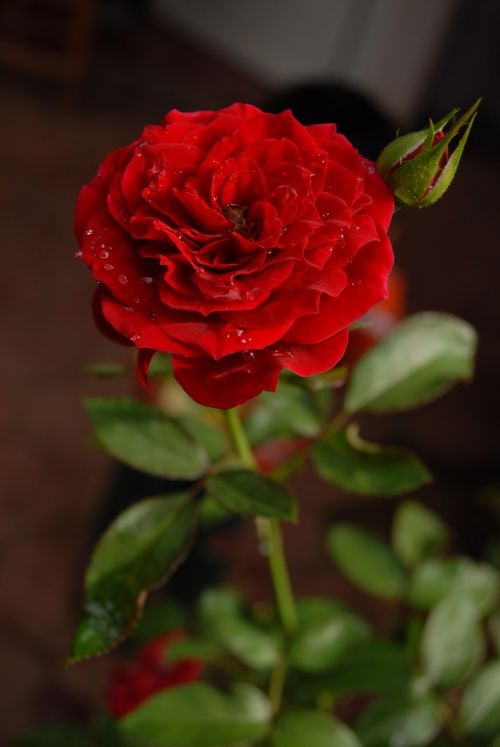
(238, 241)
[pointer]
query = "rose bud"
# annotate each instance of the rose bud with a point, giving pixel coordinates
(418, 167)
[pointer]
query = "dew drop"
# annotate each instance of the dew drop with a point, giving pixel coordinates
(89, 232)
(123, 279)
(78, 254)
(108, 267)
(128, 308)
(135, 338)
(147, 279)
(103, 254)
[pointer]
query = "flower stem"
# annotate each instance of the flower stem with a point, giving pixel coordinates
(240, 440)
(269, 533)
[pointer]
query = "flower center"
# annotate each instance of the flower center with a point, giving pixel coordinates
(237, 215)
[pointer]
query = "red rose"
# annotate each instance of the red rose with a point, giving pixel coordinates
(238, 241)
(132, 684)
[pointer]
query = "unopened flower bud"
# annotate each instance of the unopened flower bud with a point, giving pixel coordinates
(418, 167)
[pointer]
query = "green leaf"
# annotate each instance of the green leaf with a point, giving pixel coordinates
(366, 560)
(145, 438)
(213, 439)
(375, 665)
(312, 729)
(223, 620)
(417, 533)
(452, 643)
(200, 716)
(141, 548)
(423, 357)
(432, 580)
(319, 646)
(292, 409)
(400, 720)
(480, 708)
(348, 462)
(312, 610)
(250, 494)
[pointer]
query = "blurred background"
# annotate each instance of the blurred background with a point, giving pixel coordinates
(81, 77)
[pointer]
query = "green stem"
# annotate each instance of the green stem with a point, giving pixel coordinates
(240, 440)
(270, 537)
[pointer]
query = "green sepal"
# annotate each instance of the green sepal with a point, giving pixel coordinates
(397, 150)
(412, 164)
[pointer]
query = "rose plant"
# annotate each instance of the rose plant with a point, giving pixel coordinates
(231, 247)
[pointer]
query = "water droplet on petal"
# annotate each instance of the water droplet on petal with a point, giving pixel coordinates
(123, 279)
(147, 279)
(103, 254)
(108, 267)
(135, 338)
(89, 232)
(78, 254)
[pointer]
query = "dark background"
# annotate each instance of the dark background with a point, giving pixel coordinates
(78, 79)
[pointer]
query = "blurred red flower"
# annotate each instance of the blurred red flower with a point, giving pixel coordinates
(132, 683)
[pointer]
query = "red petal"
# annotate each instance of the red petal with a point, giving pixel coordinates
(144, 358)
(228, 382)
